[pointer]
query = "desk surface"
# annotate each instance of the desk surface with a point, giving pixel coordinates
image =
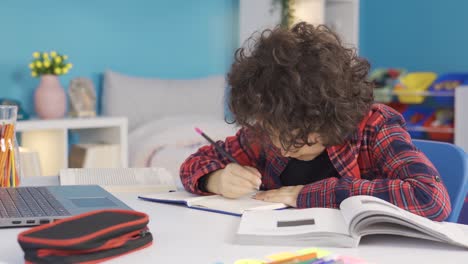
(183, 235)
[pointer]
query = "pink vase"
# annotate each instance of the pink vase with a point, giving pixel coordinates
(50, 99)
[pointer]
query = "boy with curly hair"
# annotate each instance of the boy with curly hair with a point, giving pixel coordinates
(311, 134)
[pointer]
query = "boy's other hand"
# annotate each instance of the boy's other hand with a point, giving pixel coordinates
(234, 181)
(287, 195)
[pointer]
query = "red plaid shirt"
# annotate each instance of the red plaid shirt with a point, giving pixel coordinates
(379, 159)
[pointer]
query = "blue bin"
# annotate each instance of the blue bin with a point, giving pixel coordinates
(416, 116)
(446, 83)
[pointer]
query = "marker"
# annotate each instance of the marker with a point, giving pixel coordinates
(307, 258)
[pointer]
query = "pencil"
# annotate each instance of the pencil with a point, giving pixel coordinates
(218, 148)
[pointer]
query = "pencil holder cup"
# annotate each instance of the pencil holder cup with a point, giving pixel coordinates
(10, 175)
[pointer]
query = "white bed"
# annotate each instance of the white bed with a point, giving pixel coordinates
(162, 115)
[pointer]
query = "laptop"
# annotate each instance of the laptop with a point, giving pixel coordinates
(29, 206)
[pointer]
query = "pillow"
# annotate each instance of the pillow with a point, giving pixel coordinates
(145, 99)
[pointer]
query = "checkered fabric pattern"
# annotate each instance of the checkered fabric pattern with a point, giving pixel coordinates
(378, 159)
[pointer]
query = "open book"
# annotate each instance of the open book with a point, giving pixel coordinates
(141, 180)
(359, 216)
(213, 203)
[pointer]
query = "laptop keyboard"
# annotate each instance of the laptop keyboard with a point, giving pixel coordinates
(29, 202)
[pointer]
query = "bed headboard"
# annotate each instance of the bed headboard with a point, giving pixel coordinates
(145, 99)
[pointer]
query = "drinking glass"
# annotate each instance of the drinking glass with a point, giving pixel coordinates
(10, 175)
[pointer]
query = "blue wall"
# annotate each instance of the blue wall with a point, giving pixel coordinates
(420, 35)
(160, 38)
(190, 38)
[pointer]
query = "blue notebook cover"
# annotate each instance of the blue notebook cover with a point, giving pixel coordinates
(213, 203)
(182, 202)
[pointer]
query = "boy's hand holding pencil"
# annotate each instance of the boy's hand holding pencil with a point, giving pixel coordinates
(234, 180)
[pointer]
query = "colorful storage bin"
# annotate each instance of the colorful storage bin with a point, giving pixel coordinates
(441, 119)
(416, 117)
(384, 80)
(445, 84)
(414, 83)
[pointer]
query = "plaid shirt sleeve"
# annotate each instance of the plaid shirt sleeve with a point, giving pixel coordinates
(207, 159)
(407, 178)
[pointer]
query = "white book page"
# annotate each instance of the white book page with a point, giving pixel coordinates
(458, 233)
(237, 206)
(117, 176)
(374, 210)
(387, 225)
(312, 221)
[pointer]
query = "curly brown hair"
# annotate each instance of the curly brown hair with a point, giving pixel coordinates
(300, 81)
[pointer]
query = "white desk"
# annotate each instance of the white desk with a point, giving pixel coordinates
(183, 235)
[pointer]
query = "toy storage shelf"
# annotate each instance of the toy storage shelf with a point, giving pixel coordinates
(424, 93)
(461, 117)
(460, 109)
(431, 129)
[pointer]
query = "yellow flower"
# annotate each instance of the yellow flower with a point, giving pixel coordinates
(69, 65)
(58, 71)
(31, 65)
(34, 74)
(45, 56)
(38, 64)
(65, 70)
(65, 57)
(58, 59)
(47, 63)
(53, 54)
(36, 54)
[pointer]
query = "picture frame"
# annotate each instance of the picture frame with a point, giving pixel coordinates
(82, 97)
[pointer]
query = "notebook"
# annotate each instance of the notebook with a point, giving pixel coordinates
(213, 203)
(358, 216)
(29, 206)
(140, 180)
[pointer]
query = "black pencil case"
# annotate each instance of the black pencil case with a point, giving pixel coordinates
(88, 238)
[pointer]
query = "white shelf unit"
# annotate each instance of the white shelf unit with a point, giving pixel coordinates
(340, 15)
(424, 93)
(461, 117)
(50, 138)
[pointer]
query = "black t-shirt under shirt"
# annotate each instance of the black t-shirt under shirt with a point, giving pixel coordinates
(299, 172)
